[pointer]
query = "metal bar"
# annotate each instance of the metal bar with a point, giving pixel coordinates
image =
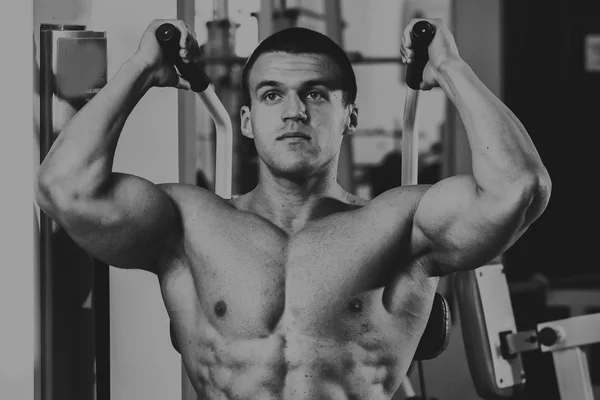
(410, 139)
(334, 29)
(406, 388)
(101, 305)
(333, 18)
(573, 374)
(220, 9)
(354, 58)
(223, 168)
(574, 332)
(186, 109)
(265, 18)
(518, 342)
(45, 273)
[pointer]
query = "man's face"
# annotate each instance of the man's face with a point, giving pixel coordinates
(297, 117)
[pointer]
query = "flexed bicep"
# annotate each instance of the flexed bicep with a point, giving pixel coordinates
(462, 229)
(128, 225)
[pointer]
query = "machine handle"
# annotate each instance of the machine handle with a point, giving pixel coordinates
(421, 36)
(168, 36)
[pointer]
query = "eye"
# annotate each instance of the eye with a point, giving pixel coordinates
(314, 95)
(271, 96)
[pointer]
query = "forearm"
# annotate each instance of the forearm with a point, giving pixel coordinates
(503, 155)
(81, 158)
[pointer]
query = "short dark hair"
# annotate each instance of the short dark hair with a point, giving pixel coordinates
(298, 40)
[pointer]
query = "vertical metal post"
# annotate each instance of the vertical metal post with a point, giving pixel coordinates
(186, 126)
(573, 374)
(46, 285)
(265, 18)
(186, 101)
(334, 26)
(71, 329)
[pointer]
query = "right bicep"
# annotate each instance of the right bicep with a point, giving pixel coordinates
(131, 225)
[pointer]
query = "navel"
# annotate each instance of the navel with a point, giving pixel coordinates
(220, 308)
(355, 305)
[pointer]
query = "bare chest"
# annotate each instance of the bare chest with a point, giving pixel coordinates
(250, 280)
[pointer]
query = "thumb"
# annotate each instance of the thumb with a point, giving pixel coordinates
(429, 80)
(183, 84)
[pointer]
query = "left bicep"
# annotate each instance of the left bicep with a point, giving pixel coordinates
(462, 229)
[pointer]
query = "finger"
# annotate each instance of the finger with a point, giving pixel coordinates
(183, 53)
(189, 42)
(192, 45)
(183, 84)
(403, 57)
(426, 86)
(406, 55)
(189, 39)
(406, 43)
(183, 30)
(406, 39)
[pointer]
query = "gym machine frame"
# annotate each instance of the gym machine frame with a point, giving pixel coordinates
(168, 36)
(493, 345)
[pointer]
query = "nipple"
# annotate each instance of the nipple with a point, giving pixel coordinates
(355, 305)
(220, 308)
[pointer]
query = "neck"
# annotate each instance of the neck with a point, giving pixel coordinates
(291, 203)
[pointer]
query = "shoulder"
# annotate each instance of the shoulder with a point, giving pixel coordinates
(192, 201)
(404, 198)
(187, 194)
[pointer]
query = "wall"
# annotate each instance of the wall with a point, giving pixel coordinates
(18, 310)
(143, 363)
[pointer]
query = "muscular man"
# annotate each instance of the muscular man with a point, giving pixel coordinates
(297, 289)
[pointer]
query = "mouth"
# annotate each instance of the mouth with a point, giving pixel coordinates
(296, 135)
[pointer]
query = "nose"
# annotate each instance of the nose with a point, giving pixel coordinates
(294, 109)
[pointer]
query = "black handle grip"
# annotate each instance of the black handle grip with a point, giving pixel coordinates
(421, 36)
(168, 36)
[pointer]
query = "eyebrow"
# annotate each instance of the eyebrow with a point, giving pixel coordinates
(328, 83)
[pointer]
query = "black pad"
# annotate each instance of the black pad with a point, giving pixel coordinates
(436, 337)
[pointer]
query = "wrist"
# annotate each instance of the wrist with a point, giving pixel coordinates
(450, 66)
(140, 69)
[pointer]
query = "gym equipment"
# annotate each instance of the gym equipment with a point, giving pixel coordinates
(421, 36)
(493, 345)
(354, 57)
(168, 36)
(73, 68)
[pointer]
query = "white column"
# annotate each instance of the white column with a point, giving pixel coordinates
(143, 362)
(18, 230)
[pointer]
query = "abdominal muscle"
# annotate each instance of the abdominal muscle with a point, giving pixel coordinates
(288, 365)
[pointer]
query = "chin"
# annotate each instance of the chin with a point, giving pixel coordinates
(296, 170)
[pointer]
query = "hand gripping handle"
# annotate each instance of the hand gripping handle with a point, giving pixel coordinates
(421, 36)
(168, 36)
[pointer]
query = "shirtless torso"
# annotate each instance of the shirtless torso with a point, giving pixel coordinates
(296, 290)
(262, 312)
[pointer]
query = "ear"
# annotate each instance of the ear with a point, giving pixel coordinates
(352, 121)
(246, 122)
